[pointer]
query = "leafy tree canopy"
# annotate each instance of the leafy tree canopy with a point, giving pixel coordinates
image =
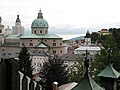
(54, 70)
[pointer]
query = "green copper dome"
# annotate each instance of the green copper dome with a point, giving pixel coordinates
(39, 23)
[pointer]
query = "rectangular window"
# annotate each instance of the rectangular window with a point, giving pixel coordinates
(31, 44)
(23, 44)
(35, 63)
(38, 64)
(60, 44)
(46, 31)
(54, 51)
(54, 44)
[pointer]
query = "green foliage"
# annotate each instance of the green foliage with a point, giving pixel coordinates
(76, 71)
(25, 62)
(101, 59)
(54, 70)
(2, 75)
(95, 37)
(98, 64)
(116, 34)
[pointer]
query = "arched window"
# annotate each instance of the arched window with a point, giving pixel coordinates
(40, 31)
(35, 31)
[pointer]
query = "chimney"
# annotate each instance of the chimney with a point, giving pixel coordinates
(55, 85)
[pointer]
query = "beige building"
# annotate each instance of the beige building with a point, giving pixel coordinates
(39, 39)
(38, 58)
(104, 32)
(17, 29)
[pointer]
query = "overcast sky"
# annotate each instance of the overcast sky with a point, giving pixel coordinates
(63, 16)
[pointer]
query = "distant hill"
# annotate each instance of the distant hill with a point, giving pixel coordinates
(77, 38)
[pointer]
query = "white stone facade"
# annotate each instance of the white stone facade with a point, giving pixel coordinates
(37, 63)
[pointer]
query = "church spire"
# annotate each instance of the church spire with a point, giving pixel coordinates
(40, 16)
(18, 19)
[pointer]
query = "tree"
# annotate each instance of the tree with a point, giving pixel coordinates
(101, 59)
(76, 71)
(116, 34)
(54, 70)
(95, 37)
(25, 62)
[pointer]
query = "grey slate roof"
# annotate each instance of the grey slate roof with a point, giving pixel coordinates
(70, 57)
(74, 57)
(13, 36)
(8, 54)
(37, 53)
(11, 44)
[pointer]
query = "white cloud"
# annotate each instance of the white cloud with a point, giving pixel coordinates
(77, 13)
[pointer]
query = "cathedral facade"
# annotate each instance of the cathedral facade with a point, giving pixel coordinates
(39, 39)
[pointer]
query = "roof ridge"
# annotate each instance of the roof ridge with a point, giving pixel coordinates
(114, 71)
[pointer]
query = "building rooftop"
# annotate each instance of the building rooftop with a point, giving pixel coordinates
(42, 45)
(70, 57)
(48, 36)
(11, 44)
(39, 22)
(89, 48)
(73, 57)
(13, 36)
(38, 53)
(8, 54)
(109, 72)
(87, 83)
(68, 86)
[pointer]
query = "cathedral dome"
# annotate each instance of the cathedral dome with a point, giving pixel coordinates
(39, 22)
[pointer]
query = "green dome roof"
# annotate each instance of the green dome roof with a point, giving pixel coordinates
(39, 23)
